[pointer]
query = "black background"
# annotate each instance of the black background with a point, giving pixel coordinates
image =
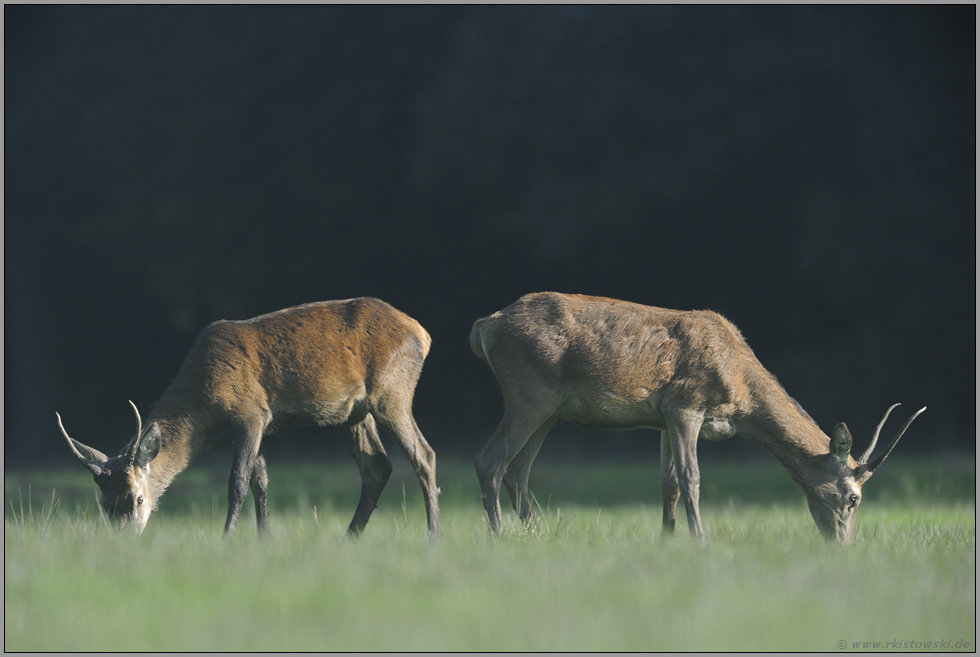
(807, 171)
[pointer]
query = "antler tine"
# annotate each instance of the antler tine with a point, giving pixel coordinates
(139, 421)
(64, 433)
(90, 457)
(874, 440)
(874, 465)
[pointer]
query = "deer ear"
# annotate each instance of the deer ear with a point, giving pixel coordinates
(149, 446)
(840, 443)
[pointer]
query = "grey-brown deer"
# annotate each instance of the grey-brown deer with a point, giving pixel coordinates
(352, 363)
(617, 365)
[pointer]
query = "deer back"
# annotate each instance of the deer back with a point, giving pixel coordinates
(606, 352)
(307, 364)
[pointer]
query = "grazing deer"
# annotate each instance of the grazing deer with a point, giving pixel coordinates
(618, 365)
(352, 363)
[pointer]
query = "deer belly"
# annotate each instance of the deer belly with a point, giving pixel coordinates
(321, 409)
(610, 412)
(716, 428)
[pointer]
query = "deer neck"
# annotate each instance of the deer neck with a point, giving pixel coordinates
(175, 453)
(780, 425)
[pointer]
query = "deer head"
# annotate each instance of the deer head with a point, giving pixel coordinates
(125, 494)
(834, 498)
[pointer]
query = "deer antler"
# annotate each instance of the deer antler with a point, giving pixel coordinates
(871, 467)
(134, 444)
(91, 458)
(139, 421)
(871, 448)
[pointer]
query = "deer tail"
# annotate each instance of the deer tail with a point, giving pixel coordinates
(476, 341)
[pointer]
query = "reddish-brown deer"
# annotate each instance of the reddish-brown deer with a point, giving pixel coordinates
(612, 364)
(352, 363)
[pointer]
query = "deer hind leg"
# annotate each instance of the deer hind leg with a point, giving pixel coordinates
(669, 488)
(396, 420)
(521, 420)
(248, 439)
(260, 489)
(519, 469)
(683, 434)
(374, 466)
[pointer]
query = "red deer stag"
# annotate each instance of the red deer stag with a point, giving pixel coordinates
(352, 363)
(618, 365)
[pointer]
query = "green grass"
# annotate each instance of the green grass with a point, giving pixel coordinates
(593, 573)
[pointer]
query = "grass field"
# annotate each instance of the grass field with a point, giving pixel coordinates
(592, 574)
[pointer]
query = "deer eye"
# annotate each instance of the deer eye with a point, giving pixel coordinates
(139, 500)
(852, 498)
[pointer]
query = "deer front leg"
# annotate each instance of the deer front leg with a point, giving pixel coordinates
(249, 437)
(669, 488)
(260, 489)
(683, 431)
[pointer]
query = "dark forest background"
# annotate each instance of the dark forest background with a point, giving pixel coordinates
(809, 172)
